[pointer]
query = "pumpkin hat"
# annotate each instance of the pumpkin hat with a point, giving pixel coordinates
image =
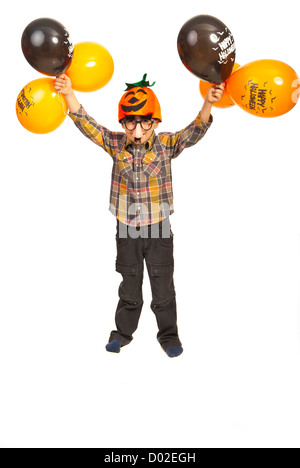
(139, 99)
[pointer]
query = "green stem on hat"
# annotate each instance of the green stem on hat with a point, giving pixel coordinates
(143, 83)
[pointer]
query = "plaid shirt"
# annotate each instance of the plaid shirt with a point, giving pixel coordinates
(141, 184)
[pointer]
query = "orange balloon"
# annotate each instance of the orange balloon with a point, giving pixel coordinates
(91, 68)
(40, 109)
(265, 88)
(226, 100)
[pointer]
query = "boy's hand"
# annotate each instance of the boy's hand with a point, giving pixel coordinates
(215, 93)
(63, 85)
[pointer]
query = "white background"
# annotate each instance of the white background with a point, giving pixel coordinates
(237, 256)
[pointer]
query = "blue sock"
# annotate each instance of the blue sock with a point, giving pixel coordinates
(114, 346)
(174, 351)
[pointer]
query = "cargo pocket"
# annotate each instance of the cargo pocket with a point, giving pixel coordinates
(161, 270)
(128, 289)
(127, 270)
(162, 285)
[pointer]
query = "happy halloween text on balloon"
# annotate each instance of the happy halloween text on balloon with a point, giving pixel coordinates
(227, 47)
(23, 102)
(258, 97)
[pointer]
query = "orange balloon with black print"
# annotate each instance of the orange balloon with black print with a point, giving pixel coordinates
(40, 109)
(226, 100)
(265, 88)
(91, 68)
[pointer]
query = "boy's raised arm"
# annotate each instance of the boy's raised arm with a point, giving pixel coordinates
(214, 94)
(63, 85)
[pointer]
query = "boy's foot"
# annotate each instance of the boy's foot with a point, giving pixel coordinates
(114, 346)
(174, 351)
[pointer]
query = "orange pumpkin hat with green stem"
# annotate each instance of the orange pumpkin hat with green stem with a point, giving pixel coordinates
(139, 99)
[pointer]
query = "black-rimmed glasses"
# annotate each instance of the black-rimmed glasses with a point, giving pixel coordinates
(131, 124)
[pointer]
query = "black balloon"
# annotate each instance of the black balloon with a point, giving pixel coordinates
(207, 48)
(46, 46)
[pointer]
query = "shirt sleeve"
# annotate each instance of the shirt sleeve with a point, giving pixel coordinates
(111, 142)
(187, 137)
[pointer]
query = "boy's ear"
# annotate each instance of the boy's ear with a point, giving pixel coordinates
(156, 124)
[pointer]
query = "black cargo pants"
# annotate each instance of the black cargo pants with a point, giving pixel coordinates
(154, 245)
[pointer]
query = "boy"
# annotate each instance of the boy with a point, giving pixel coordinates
(142, 201)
